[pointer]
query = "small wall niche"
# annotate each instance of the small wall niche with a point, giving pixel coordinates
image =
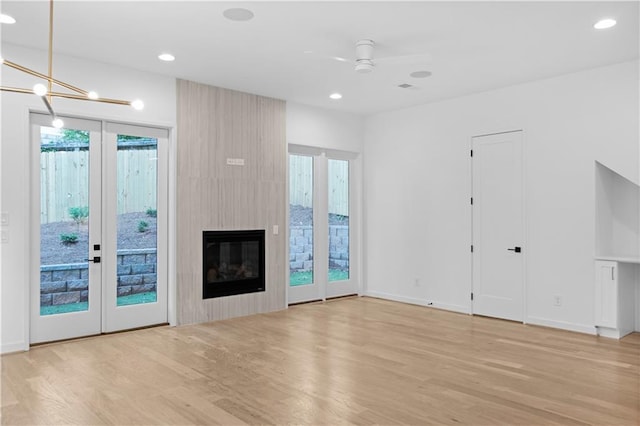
(617, 215)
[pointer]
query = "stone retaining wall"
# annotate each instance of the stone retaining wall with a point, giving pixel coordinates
(301, 247)
(68, 283)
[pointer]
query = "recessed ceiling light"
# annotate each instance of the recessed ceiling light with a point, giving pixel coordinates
(167, 57)
(6, 19)
(238, 14)
(335, 96)
(603, 24)
(420, 74)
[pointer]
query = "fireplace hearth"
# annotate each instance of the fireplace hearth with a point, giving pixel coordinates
(233, 262)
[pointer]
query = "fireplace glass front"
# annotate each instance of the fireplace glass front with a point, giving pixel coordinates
(233, 262)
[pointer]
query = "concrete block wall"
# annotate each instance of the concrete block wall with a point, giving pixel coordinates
(68, 283)
(301, 247)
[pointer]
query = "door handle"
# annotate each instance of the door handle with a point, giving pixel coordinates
(516, 249)
(96, 259)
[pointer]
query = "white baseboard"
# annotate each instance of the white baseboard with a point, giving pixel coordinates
(8, 348)
(420, 302)
(580, 328)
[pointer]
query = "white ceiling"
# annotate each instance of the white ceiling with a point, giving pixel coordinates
(475, 46)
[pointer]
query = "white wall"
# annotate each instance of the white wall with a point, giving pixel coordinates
(417, 174)
(317, 127)
(156, 91)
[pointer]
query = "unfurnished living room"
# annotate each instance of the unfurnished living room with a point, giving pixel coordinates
(320, 212)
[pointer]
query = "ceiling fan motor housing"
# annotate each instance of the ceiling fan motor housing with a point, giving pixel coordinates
(364, 56)
(364, 49)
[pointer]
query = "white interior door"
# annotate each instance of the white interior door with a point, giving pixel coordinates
(99, 204)
(498, 226)
(322, 243)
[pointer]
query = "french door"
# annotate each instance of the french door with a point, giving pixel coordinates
(322, 224)
(99, 215)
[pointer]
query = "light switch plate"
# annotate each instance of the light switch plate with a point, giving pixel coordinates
(4, 219)
(276, 229)
(4, 237)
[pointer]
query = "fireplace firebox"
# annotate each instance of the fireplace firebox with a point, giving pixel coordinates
(233, 263)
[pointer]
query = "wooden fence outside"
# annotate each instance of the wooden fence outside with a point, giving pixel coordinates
(301, 183)
(64, 182)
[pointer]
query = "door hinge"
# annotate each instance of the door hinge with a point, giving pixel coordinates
(471, 200)
(472, 153)
(471, 295)
(471, 248)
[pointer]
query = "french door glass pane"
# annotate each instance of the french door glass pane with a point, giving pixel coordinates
(338, 192)
(137, 177)
(64, 220)
(300, 220)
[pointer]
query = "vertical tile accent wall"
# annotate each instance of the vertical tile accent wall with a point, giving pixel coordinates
(215, 124)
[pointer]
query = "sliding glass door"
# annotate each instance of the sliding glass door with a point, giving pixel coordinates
(321, 243)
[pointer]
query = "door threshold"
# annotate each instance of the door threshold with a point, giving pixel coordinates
(90, 336)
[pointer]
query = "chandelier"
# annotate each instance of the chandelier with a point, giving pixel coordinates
(46, 91)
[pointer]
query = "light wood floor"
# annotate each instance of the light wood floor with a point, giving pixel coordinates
(356, 360)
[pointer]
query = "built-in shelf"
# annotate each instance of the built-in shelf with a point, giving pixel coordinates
(617, 216)
(617, 259)
(621, 259)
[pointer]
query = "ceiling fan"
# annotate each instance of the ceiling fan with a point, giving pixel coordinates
(365, 62)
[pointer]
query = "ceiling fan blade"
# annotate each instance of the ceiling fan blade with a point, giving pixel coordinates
(419, 58)
(323, 55)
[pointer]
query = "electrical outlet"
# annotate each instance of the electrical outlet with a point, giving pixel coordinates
(557, 300)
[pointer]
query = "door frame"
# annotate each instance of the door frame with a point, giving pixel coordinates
(320, 157)
(32, 271)
(524, 218)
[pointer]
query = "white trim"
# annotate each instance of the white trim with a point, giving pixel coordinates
(356, 202)
(562, 325)
(172, 164)
(421, 302)
(610, 333)
(8, 348)
(29, 231)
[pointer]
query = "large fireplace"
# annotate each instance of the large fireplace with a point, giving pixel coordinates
(233, 263)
